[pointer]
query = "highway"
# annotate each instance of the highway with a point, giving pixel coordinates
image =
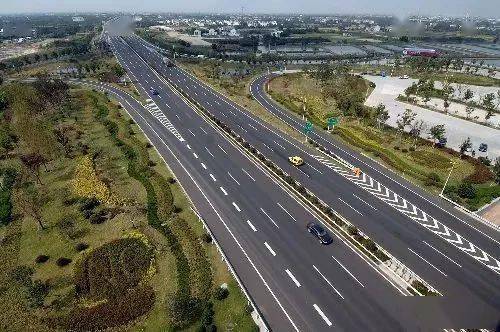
(297, 283)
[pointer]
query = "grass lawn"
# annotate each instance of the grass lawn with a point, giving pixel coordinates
(383, 145)
(66, 226)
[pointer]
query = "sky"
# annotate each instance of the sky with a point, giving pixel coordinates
(400, 8)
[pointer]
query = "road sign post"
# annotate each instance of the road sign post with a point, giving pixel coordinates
(331, 122)
(308, 127)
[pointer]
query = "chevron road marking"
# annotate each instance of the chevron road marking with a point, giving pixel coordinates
(155, 111)
(413, 212)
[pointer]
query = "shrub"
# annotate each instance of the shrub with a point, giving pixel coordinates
(466, 190)
(107, 314)
(171, 180)
(36, 293)
(412, 148)
(81, 246)
(22, 274)
(352, 230)
(482, 173)
(370, 245)
(183, 310)
(221, 293)
(130, 121)
(63, 261)
(396, 147)
(207, 316)
(404, 150)
(41, 258)
(177, 209)
(98, 218)
(89, 204)
(485, 161)
(148, 145)
(206, 238)
(432, 179)
(151, 163)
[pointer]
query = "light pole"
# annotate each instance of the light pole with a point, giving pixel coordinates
(448, 178)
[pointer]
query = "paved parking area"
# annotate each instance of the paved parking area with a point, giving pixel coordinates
(388, 88)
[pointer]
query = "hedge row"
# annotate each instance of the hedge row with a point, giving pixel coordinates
(8, 178)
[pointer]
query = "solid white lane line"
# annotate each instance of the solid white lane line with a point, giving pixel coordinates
(275, 224)
(232, 177)
(281, 206)
(210, 153)
(281, 146)
(270, 249)
(195, 155)
(203, 165)
(328, 282)
(297, 283)
(191, 132)
(364, 201)
(223, 190)
(220, 147)
(350, 206)
(425, 260)
(320, 312)
(203, 130)
(236, 207)
(188, 146)
(251, 226)
(248, 174)
(349, 272)
(439, 252)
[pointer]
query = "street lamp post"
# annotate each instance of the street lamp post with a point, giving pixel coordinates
(448, 178)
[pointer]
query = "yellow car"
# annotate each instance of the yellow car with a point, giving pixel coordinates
(296, 160)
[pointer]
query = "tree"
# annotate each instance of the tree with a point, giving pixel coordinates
(469, 110)
(468, 95)
(30, 201)
(446, 104)
(488, 104)
(33, 162)
(437, 132)
(417, 128)
(381, 114)
(465, 146)
(404, 120)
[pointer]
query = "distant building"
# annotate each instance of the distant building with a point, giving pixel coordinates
(233, 33)
(212, 32)
(137, 18)
(276, 33)
(160, 28)
(78, 19)
(197, 33)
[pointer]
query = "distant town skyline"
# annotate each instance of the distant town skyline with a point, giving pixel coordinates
(400, 8)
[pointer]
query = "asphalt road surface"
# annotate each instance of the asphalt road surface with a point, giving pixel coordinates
(297, 283)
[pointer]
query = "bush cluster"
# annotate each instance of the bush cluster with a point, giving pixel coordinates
(9, 177)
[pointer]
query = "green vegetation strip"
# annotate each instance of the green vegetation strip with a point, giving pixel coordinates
(185, 307)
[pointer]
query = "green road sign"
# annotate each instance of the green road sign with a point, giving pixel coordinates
(332, 121)
(308, 127)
